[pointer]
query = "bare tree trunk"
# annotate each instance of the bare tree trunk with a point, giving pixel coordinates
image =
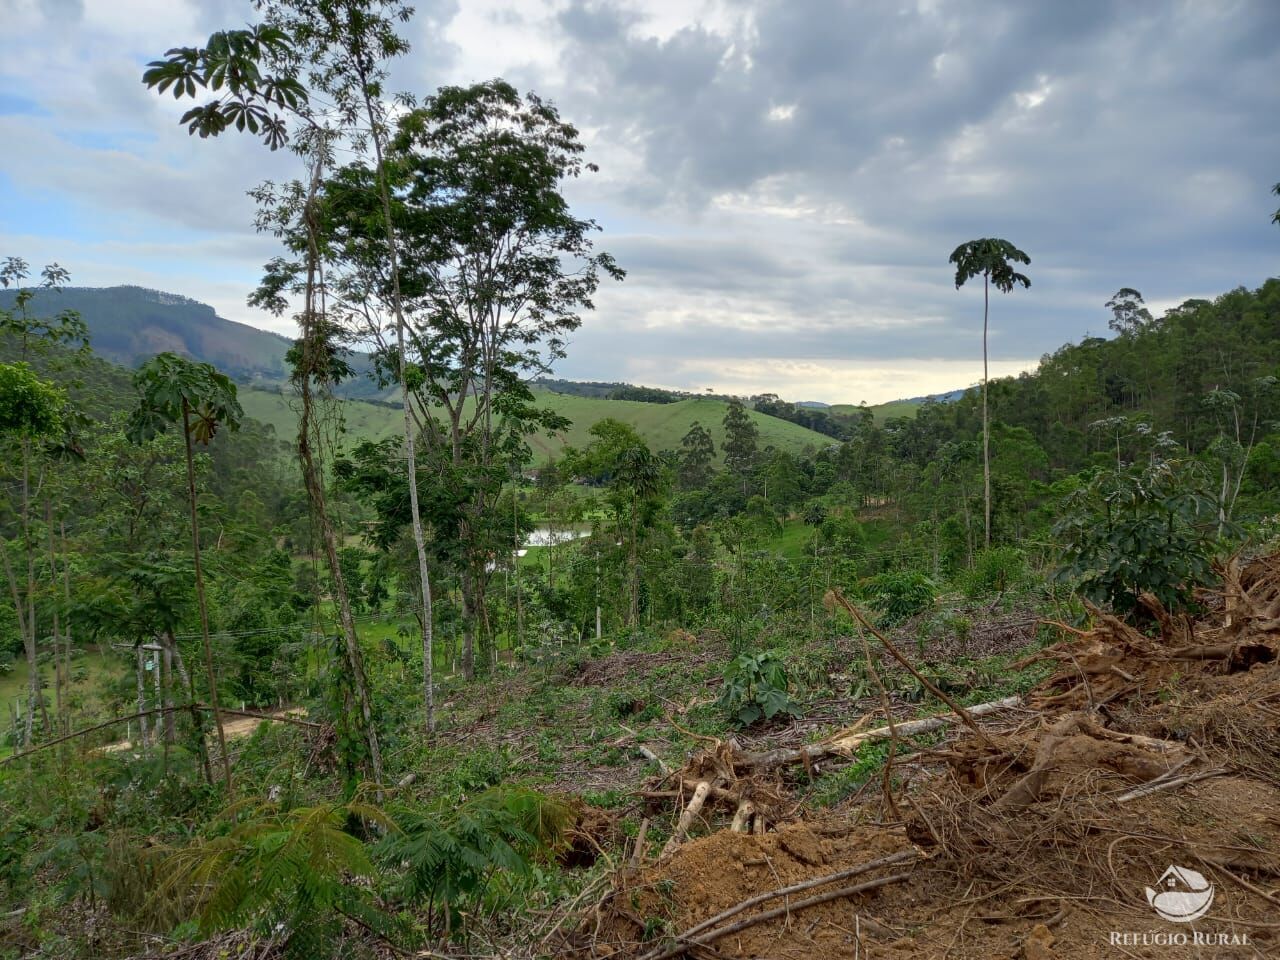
(34, 695)
(314, 483)
(19, 611)
(415, 515)
(169, 731)
(142, 697)
(58, 679)
(200, 597)
(197, 724)
(66, 631)
(986, 425)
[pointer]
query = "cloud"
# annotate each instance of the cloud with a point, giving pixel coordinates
(783, 181)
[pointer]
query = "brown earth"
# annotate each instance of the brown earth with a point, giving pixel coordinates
(1026, 838)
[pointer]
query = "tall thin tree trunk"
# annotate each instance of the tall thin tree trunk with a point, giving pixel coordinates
(200, 597)
(29, 634)
(66, 627)
(142, 696)
(313, 481)
(59, 679)
(197, 723)
(411, 457)
(20, 612)
(986, 425)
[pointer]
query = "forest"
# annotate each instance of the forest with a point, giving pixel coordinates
(477, 688)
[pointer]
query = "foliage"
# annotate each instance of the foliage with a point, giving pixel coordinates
(900, 594)
(288, 870)
(173, 389)
(994, 570)
(756, 688)
(29, 407)
(451, 857)
(230, 66)
(992, 259)
(1148, 528)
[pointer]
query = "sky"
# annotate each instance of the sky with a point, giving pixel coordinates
(783, 180)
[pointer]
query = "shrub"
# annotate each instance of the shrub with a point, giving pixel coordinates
(900, 594)
(450, 857)
(1144, 529)
(994, 570)
(755, 688)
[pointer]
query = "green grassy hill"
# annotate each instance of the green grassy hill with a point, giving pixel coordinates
(881, 411)
(661, 424)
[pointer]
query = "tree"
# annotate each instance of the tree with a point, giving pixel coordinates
(173, 390)
(255, 74)
(36, 413)
(741, 436)
(1129, 314)
(697, 452)
(496, 271)
(991, 259)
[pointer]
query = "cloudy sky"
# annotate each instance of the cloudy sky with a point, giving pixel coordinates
(782, 179)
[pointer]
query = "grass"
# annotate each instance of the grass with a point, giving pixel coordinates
(662, 425)
(92, 674)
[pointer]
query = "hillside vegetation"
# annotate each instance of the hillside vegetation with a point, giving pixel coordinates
(662, 426)
(681, 679)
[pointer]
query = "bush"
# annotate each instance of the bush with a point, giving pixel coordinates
(755, 688)
(995, 570)
(900, 594)
(1144, 529)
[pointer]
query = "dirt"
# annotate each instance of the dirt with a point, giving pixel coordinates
(1030, 840)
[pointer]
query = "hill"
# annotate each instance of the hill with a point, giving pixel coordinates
(661, 424)
(129, 324)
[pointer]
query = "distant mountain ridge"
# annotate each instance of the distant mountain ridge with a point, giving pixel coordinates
(127, 324)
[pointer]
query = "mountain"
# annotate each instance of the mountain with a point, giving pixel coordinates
(129, 324)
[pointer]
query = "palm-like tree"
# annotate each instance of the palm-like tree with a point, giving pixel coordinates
(174, 390)
(992, 260)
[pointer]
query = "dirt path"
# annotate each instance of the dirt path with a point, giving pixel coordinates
(232, 726)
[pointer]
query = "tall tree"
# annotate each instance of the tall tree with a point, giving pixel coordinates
(175, 391)
(1129, 313)
(740, 442)
(254, 78)
(697, 452)
(991, 259)
(496, 272)
(56, 341)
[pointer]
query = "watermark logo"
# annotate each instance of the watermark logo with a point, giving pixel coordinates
(1184, 895)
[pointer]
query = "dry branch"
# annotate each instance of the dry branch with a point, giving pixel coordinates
(684, 943)
(683, 938)
(847, 746)
(116, 721)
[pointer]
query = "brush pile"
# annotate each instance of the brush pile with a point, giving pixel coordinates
(1046, 829)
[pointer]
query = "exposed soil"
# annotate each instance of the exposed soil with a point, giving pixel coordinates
(1037, 837)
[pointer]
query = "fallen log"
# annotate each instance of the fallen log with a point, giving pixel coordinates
(847, 746)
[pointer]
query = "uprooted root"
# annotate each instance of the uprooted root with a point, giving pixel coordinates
(1029, 840)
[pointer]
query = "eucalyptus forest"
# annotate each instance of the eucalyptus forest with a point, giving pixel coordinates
(528, 672)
